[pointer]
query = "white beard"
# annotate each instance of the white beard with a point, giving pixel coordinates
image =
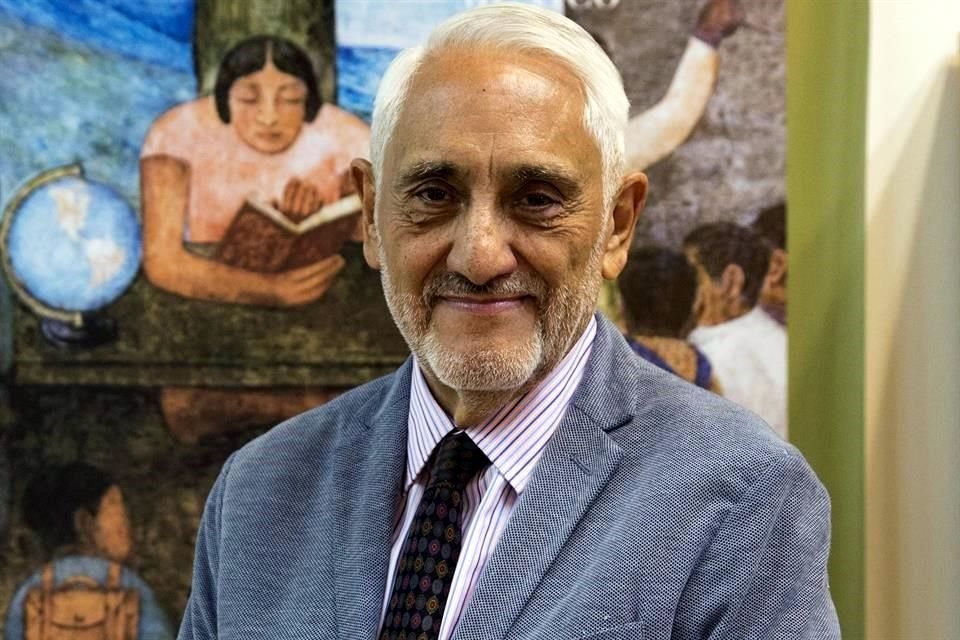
(561, 314)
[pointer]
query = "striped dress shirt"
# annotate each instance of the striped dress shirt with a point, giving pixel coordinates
(512, 439)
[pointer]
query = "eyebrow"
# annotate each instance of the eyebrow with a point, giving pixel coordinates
(520, 174)
(253, 86)
(561, 178)
(429, 169)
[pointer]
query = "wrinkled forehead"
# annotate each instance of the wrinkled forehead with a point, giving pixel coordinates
(478, 64)
(519, 106)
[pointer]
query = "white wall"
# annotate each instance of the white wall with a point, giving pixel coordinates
(913, 321)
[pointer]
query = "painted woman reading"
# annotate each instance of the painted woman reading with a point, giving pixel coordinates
(265, 133)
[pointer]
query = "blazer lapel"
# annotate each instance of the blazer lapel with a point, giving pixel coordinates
(574, 468)
(372, 486)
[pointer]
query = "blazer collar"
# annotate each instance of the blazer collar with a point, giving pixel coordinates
(609, 391)
(383, 411)
(368, 505)
(574, 469)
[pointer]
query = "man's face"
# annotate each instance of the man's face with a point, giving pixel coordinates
(267, 108)
(490, 227)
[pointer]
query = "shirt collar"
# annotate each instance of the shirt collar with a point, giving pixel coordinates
(514, 436)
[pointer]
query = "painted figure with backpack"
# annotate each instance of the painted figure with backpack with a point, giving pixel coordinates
(84, 591)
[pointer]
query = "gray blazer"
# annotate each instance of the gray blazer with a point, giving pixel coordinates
(657, 511)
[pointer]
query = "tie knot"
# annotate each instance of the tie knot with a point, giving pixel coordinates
(456, 460)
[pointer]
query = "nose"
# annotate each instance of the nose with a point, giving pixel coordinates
(482, 244)
(267, 113)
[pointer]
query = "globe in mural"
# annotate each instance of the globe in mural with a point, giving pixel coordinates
(70, 247)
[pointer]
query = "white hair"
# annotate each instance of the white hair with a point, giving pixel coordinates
(522, 28)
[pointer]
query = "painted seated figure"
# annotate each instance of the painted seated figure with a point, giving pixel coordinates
(265, 133)
(747, 347)
(659, 288)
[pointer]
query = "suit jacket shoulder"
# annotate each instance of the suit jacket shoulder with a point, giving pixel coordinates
(647, 410)
(294, 512)
(659, 510)
(311, 437)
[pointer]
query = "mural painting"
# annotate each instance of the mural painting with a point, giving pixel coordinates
(710, 133)
(79, 514)
(182, 268)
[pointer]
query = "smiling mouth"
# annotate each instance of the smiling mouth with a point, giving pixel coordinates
(484, 306)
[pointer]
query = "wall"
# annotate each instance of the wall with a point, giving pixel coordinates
(733, 164)
(826, 106)
(912, 327)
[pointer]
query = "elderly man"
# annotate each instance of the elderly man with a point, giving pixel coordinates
(524, 474)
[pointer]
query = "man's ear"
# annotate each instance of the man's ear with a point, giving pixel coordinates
(731, 282)
(362, 172)
(625, 213)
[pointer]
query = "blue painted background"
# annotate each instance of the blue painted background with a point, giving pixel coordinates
(84, 79)
(370, 33)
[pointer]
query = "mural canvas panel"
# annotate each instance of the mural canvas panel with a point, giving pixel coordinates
(108, 447)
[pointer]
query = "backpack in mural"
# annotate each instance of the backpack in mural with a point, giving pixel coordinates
(81, 608)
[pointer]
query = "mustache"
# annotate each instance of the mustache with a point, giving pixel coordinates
(451, 284)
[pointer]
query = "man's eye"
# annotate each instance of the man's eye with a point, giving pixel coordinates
(537, 200)
(433, 195)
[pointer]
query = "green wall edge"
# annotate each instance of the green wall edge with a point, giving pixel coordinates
(827, 57)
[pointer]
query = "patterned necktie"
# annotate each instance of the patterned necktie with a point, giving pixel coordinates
(432, 547)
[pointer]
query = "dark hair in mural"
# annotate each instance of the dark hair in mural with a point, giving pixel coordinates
(54, 495)
(250, 56)
(771, 223)
(720, 244)
(658, 287)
